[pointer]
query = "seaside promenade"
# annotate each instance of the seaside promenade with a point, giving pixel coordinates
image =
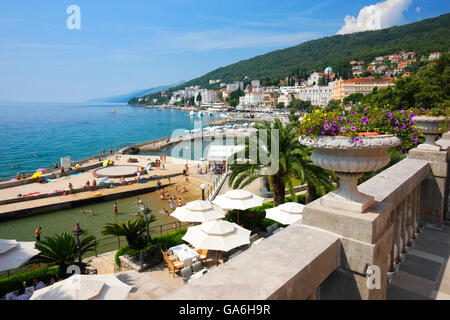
(32, 205)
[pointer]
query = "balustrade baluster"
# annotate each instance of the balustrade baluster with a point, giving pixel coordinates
(397, 232)
(403, 226)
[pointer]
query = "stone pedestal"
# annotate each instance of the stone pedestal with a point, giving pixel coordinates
(434, 190)
(366, 242)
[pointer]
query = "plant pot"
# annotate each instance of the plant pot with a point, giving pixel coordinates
(349, 160)
(429, 125)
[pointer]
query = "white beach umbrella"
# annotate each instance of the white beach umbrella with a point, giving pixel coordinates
(239, 199)
(85, 287)
(198, 211)
(217, 235)
(13, 254)
(286, 213)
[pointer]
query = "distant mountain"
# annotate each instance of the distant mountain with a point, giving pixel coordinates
(336, 51)
(137, 93)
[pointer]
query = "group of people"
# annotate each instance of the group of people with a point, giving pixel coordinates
(89, 186)
(21, 176)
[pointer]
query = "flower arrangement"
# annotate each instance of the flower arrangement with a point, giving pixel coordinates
(441, 111)
(364, 120)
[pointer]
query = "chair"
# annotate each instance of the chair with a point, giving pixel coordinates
(186, 273)
(203, 255)
(197, 266)
(188, 262)
(174, 266)
(167, 257)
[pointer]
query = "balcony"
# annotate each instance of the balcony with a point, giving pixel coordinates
(398, 249)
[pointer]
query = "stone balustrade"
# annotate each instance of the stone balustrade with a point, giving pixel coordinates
(332, 252)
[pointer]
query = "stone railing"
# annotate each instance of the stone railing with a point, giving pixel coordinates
(336, 253)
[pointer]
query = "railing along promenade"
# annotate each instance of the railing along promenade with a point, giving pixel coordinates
(335, 253)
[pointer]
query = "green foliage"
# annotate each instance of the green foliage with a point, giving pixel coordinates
(61, 250)
(300, 105)
(333, 105)
(166, 241)
(15, 282)
(353, 98)
(280, 105)
(133, 230)
(422, 37)
(427, 88)
(233, 98)
(255, 217)
(293, 161)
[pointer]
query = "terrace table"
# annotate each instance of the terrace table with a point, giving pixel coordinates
(184, 252)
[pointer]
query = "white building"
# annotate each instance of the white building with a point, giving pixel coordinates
(286, 99)
(434, 55)
(255, 83)
(314, 78)
(251, 98)
(208, 96)
(318, 95)
(235, 86)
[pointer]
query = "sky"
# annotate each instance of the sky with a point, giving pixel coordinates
(122, 46)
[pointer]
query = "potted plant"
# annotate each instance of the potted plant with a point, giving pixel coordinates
(351, 143)
(432, 122)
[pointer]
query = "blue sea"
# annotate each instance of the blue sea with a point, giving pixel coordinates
(37, 135)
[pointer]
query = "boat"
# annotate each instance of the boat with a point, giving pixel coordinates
(191, 113)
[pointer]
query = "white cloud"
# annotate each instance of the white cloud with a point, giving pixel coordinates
(418, 9)
(378, 16)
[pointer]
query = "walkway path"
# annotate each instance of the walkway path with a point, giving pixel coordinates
(425, 272)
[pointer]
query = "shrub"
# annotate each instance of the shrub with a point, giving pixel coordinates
(15, 282)
(256, 217)
(166, 241)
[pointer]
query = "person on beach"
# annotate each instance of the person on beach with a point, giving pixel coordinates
(115, 207)
(77, 227)
(180, 203)
(24, 176)
(18, 176)
(184, 172)
(138, 201)
(168, 180)
(88, 185)
(94, 184)
(122, 180)
(138, 173)
(37, 232)
(171, 204)
(187, 168)
(158, 185)
(55, 165)
(110, 150)
(62, 171)
(70, 188)
(161, 197)
(103, 151)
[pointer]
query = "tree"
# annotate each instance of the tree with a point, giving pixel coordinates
(61, 250)
(353, 98)
(293, 160)
(300, 105)
(280, 105)
(133, 230)
(333, 105)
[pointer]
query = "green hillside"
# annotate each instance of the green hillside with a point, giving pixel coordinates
(336, 51)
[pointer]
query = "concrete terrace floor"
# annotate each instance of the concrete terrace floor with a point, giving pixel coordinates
(425, 272)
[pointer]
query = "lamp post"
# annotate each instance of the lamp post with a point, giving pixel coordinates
(77, 232)
(203, 187)
(147, 212)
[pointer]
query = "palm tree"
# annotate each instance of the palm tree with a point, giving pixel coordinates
(61, 250)
(132, 230)
(293, 159)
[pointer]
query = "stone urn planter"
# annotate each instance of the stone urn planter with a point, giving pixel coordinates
(349, 160)
(429, 125)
